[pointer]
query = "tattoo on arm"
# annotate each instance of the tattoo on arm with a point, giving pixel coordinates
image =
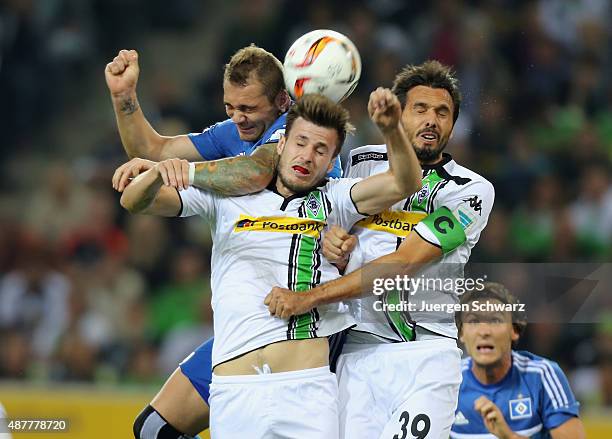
(128, 106)
(240, 175)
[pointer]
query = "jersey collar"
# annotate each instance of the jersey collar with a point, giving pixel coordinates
(500, 383)
(286, 200)
(446, 158)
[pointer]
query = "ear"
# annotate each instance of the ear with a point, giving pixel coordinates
(281, 144)
(515, 335)
(282, 101)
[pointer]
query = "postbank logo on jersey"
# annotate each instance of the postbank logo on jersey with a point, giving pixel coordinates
(520, 408)
(302, 226)
(396, 223)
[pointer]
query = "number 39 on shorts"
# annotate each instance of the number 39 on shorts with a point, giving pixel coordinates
(419, 427)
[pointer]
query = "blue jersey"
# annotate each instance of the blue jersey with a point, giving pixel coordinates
(534, 398)
(222, 140)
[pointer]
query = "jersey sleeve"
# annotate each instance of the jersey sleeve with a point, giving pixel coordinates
(195, 201)
(274, 135)
(365, 161)
(559, 403)
(459, 217)
(210, 143)
(343, 210)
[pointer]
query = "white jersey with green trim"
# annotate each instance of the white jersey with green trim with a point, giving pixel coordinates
(265, 240)
(468, 196)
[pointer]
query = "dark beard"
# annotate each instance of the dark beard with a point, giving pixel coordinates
(428, 155)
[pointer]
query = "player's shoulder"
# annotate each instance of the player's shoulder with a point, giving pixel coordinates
(341, 183)
(465, 177)
(368, 153)
(226, 125)
(529, 363)
(275, 131)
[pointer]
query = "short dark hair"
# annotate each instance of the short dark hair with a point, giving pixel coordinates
(493, 291)
(432, 74)
(321, 111)
(255, 61)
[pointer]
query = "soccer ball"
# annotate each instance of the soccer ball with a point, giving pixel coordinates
(322, 61)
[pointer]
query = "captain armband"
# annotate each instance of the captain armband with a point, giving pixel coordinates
(443, 229)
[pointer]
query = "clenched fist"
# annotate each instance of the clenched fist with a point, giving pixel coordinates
(122, 73)
(338, 245)
(285, 303)
(384, 109)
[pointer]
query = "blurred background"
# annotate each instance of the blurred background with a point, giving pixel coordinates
(94, 300)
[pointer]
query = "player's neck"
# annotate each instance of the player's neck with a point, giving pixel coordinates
(283, 190)
(432, 162)
(493, 373)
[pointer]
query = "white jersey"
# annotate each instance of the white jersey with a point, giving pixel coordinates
(265, 240)
(467, 195)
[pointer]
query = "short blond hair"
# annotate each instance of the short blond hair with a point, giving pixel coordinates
(255, 62)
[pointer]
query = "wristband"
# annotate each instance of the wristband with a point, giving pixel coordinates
(191, 173)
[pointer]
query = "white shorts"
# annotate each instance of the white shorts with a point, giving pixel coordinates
(399, 390)
(300, 404)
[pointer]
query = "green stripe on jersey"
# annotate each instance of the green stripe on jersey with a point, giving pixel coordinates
(420, 200)
(306, 260)
(398, 318)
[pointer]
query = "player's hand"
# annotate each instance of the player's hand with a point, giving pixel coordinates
(384, 109)
(174, 172)
(493, 418)
(129, 170)
(338, 245)
(285, 303)
(122, 73)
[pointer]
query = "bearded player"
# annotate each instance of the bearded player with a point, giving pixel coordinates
(400, 370)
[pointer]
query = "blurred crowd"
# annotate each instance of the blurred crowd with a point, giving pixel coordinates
(90, 293)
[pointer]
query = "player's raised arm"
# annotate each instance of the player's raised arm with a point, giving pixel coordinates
(381, 191)
(154, 192)
(138, 137)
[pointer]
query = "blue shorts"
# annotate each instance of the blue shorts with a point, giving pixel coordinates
(198, 368)
(198, 365)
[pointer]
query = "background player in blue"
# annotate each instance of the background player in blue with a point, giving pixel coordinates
(507, 393)
(256, 103)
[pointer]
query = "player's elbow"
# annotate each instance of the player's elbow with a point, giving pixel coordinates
(573, 428)
(129, 203)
